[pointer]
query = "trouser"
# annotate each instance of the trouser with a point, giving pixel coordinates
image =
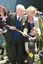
(2, 50)
(16, 48)
(31, 50)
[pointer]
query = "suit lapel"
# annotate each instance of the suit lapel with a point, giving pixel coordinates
(23, 21)
(14, 20)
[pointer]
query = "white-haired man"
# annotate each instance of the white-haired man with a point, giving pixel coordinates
(14, 38)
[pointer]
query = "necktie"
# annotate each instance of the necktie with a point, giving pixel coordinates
(18, 19)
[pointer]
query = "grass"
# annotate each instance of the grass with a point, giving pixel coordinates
(0, 56)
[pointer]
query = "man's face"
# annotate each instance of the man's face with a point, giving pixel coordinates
(20, 12)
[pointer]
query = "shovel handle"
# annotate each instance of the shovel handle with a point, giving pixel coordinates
(19, 31)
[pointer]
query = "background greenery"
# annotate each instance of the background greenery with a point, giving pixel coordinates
(41, 28)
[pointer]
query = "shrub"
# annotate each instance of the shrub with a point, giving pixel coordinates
(41, 28)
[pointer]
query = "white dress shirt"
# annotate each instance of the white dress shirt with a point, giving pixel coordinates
(18, 17)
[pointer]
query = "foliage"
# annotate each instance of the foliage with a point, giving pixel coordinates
(38, 62)
(36, 56)
(37, 59)
(8, 51)
(41, 28)
(0, 55)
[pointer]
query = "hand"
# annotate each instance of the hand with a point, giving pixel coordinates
(39, 34)
(27, 51)
(12, 28)
(24, 34)
(35, 51)
(4, 19)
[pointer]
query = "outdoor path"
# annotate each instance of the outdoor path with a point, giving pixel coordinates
(5, 59)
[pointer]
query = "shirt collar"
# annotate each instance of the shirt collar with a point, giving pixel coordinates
(18, 17)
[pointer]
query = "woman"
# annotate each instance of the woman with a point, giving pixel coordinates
(31, 22)
(3, 14)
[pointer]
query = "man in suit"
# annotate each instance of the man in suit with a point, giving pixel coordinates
(14, 38)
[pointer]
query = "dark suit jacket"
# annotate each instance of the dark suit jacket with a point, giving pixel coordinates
(10, 21)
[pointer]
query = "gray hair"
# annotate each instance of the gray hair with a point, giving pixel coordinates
(20, 6)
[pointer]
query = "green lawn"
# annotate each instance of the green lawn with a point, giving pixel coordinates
(0, 56)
